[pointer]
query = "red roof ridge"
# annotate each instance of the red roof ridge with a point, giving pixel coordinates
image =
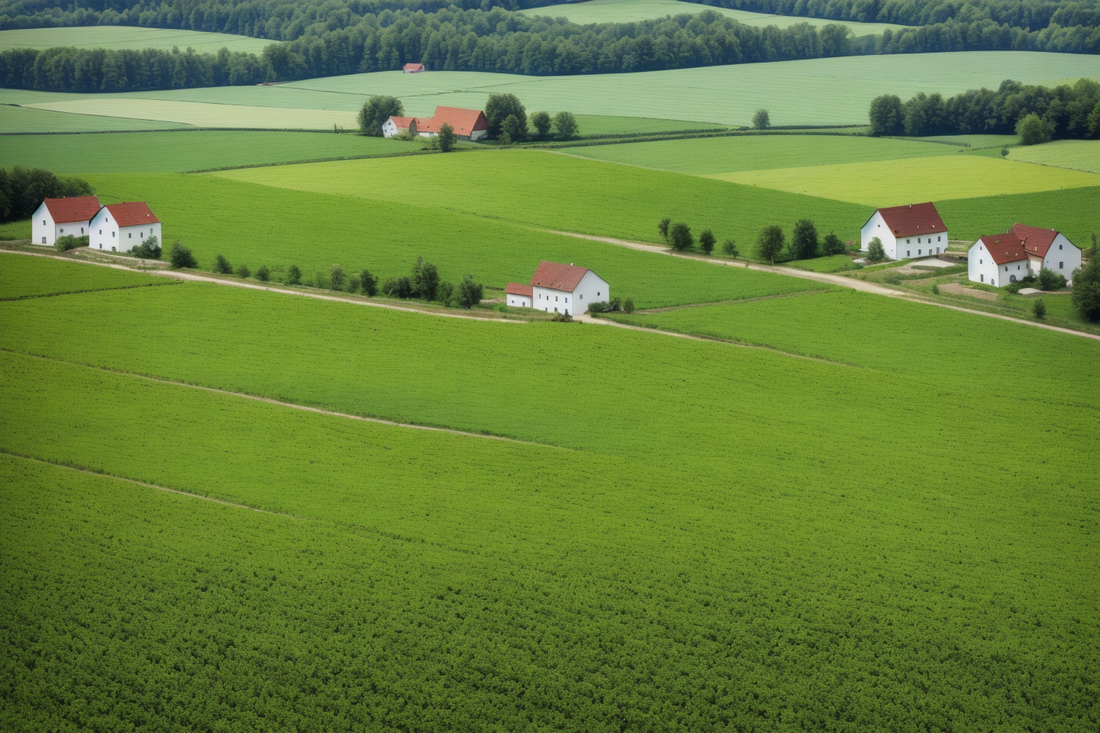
(1004, 248)
(913, 219)
(519, 289)
(556, 276)
(132, 213)
(76, 208)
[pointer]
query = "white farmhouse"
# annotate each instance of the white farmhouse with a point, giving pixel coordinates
(121, 227)
(997, 260)
(397, 125)
(62, 217)
(557, 288)
(1050, 249)
(916, 230)
(518, 294)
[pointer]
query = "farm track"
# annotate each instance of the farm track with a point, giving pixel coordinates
(844, 282)
(291, 405)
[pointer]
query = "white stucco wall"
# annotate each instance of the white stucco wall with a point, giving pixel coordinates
(553, 301)
(901, 248)
(1063, 257)
(591, 289)
(104, 230)
(130, 237)
(44, 231)
(982, 269)
(876, 227)
(519, 301)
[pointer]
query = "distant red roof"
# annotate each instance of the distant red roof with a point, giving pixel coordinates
(913, 220)
(558, 277)
(78, 208)
(403, 122)
(1036, 241)
(413, 68)
(132, 214)
(1004, 248)
(519, 289)
(462, 121)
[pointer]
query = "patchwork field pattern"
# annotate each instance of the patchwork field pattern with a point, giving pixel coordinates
(23, 276)
(200, 114)
(1079, 154)
(920, 179)
(28, 119)
(186, 150)
(122, 37)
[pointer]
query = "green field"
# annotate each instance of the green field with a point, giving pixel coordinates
(736, 549)
(28, 119)
(1079, 154)
(975, 142)
(921, 179)
(610, 125)
(1074, 212)
(27, 277)
(186, 150)
(631, 11)
(120, 37)
(834, 91)
(710, 156)
(201, 114)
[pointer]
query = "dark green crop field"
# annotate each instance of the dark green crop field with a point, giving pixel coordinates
(28, 277)
(707, 533)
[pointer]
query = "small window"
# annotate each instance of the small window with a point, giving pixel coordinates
(908, 241)
(981, 262)
(1061, 265)
(43, 240)
(582, 296)
(906, 253)
(1012, 278)
(43, 222)
(101, 231)
(983, 278)
(918, 252)
(597, 292)
(567, 299)
(112, 235)
(1059, 246)
(555, 300)
(938, 238)
(62, 231)
(131, 235)
(81, 230)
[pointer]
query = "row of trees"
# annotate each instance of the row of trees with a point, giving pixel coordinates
(678, 236)
(1062, 112)
(805, 242)
(499, 41)
(22, 190)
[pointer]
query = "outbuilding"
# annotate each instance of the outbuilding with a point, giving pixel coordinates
(62, 217)
(1050, 249)
(121, 227)
(915, 230)
(997, 260)
(558, 288)
(413, 68)
(397, 125)
(518, 295)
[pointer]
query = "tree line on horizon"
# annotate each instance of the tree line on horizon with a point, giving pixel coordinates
(347, 38)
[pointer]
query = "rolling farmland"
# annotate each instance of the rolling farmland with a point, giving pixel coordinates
(30, 277)
(28, 119)
(1079, 154)
(120, 37)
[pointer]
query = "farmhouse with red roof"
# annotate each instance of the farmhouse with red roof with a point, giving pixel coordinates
(121, 227)
(1000, 259)
(468, 124)
(558, 288)
(413, 68)
(915, 230)
(62, 217)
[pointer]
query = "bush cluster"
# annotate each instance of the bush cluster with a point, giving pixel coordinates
(805, 242)
(67, 241)
(22, 190)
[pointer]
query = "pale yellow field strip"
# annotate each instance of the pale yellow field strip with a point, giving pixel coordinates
(894, 183)
(201, 114)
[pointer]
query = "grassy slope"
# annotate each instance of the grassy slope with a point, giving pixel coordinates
(708, 156)
(631, 11)
(202, 114)
(28, 119)
(611, 125)
(257, 225)
(1080, 154)
(922, 179)
(1072, 211)
(185, 151)
(120, 37)
(564, 192)
(22, 276)
(819, 91)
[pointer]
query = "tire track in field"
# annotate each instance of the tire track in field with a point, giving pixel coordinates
(290, 405)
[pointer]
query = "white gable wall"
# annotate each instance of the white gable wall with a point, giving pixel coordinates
(591, 289)
(107, 235)
(44, 231)
(982, 269)
(1063, 257)
(876, 227)
(921, 246)
(519, 301)
(390, 128)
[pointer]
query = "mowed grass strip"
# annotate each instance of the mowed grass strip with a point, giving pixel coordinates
(28, 119)
(566, 193)
(23, 276)
(260, 225)
(921, 179)
(126, 37)
(1081, 155)
(201, 114)
(711, 156)
(187, 151)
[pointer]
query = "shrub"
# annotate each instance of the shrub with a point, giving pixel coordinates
(706, 241)
(562, 318)
(679, 235)
(935, 289)
(1050, 280)
(604, 307)
(1039, 308)
(446, 294)
(222, 266)
(398, 287)
(628, 305)
(662, 227)
(243, 272)
(369, 283)
(337, 277)
(263, 274)
(875, 251)
(729, 247)
(320, 279)
(293, 275)
(833, 245)
(68, 241)
(149, 249)
(180, 257)
(892, 278)
(470, 293)
(1086, 290)
(353, 284)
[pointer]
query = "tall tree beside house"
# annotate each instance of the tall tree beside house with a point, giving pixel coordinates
(1086, 290)
(804, 240)
(887, 116)
(376, 111)
(513, 130)
(470, 292)
(761, 120)
(499, 108)
(833, 245)
(679, 235)
(541, 122)
(446, 138)
(565, 126)
(770, 241)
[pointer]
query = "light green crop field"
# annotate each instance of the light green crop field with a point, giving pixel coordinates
(835, 91)
(1074, 212)
(1081, 155)
(920, 179)
(28, 119)
(22, 276)
(121, 37)
(186, 150)
(976, 142)
(610, 125)
(564, 193)
(631, 11)
(206, 115)
(710, 156)
(19, 229)
(832, 263)
(258, 225)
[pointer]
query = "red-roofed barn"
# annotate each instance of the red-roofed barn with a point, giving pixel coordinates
(915, 230)
(468, 124)
(121, 227)
(62, 217)
(518, 295)
(413, 68)
(997, 260)
(1050, 249)
(557, 288)
(397, 125)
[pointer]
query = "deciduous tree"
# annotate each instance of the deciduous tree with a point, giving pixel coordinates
(804, 240)
(679, 236)
(1086, 289)
(293, 275)
(761, 120)
(833, 245)
(180, 257)
(541, 122)
(369, 283)
(662, 227)
(887, 116)
(513, 130)
(1033, 130)
(875, 251)
(565, 126)
(470, 292)
(499, 108)
(770, 241)
(222, 266)
(376, 111)
(706, 241)
(446, 138)
(425, 279)
(337, 278)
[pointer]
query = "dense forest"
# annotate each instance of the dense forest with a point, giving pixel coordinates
(1065, 111)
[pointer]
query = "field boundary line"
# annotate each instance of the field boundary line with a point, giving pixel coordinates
(158, 487)
(290, 405)
(844, 282)
(81, 292)
(666, 309)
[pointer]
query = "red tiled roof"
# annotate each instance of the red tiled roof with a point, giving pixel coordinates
(519, 289)
(1036, 241)
(558, 277)
(132, 214)
(913, 220)
(78, 208)
(462, 121)
(1004, 248)
(414, 67)
(402, 122)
